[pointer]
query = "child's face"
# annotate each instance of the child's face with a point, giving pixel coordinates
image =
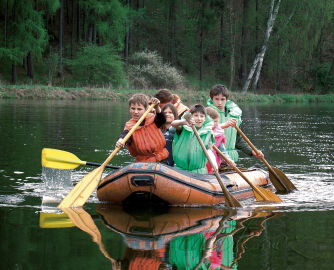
(169, 115)
(216, 121)
(199, 119)
(136, 110)
(219, 101)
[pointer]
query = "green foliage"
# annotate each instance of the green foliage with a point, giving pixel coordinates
(147, 70)
(25, 33)
(52, 64)
(97, 65)
(324, 78)
(109, 17)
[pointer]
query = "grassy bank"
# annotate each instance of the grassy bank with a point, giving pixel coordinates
(40, 92)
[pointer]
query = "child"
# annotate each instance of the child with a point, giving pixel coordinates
(147, 143)
(187, 151)
(220, 139)
(168, 131)
(229, 116)
(165, 96)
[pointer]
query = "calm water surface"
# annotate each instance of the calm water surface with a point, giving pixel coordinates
(297, 234)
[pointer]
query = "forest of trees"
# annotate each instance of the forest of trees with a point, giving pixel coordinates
(251, 45)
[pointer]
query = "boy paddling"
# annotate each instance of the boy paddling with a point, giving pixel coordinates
(147, 143)
(229, 116)
(187, 151)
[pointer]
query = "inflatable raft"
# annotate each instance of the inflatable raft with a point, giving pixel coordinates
(140, 182)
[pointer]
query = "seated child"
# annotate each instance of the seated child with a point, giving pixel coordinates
(147, 143)
(168, 131)
(187, 151)
(229, 116)
(220, 139)
(165, 96)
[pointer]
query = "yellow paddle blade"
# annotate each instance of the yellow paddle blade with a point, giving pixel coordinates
(83, 189)
(262, 194)
(283, 178)
(54, 220)
(58, 159)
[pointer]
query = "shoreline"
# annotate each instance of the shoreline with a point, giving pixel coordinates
(44, 92)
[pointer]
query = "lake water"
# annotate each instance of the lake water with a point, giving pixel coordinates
(297, 234)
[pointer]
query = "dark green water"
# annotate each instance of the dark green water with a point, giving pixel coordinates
(297, 234)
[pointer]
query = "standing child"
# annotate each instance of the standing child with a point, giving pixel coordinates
(187, 151)
(147, 143)
(220, 138)
(229, 116)
(168, 131)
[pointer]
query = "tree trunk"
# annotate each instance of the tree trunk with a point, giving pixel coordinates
(90, 33)
(126, 48)
(171, 32)
(127, 39)
(244, 37)
(84, 33)
(221, 41)
(6, 25)
(258, 61)
(73, 28)
(30, 66)
(78, 21)
(232, 41)
(201, 46)
(67, 12)
(61, 37)
(273, 13)
(256, 27)
(278, 67)
(14, 74)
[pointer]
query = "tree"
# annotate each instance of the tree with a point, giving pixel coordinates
(257, 64)
(25, 33)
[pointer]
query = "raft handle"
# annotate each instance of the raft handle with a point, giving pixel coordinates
(142, 180)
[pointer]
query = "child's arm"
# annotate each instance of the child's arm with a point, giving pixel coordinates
(156, 103)
(230, 123)
(121, 137)
(179, 123)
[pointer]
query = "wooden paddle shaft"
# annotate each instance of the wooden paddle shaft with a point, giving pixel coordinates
(257, 152)
(229, 200)
(86, 186)
(251, 145)
(133, 129)
(238, 171)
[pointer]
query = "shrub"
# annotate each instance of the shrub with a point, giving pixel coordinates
(147, 70)
(98, 65)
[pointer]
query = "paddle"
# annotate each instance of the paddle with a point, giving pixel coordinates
(277, 177)
(260, 194)
(86, 186)
(230, 201)
(58, 159)
(84, 221)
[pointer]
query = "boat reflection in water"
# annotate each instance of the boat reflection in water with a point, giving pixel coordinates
(172, 238)
(181, 238)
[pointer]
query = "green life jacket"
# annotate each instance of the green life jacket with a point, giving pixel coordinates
(233, 111)
(187, 151)
(228, 255)
(186, 251)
